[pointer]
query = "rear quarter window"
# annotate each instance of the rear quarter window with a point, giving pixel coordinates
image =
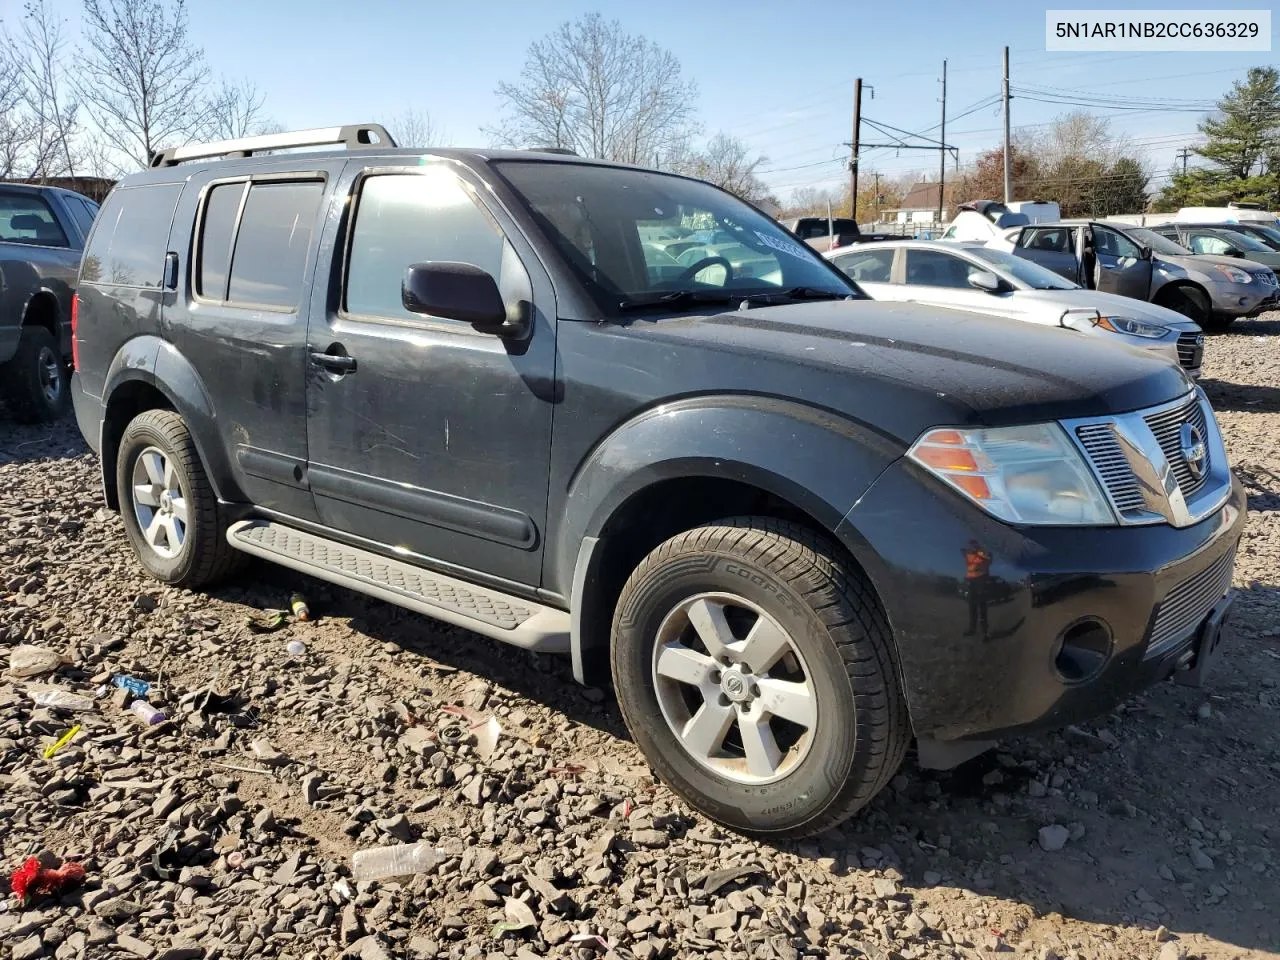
(130, 237)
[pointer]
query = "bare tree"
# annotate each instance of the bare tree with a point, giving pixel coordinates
(15, 131)
(595, 89)
(414, 129)
(141, 77)
(725, 161)
(51, 106)
(236, 111)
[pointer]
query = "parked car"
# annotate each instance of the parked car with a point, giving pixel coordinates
(793, 527)
(1231, 213)
(1262, 232)
(823, 234)
(973, 276)
(42, 233)
(984, 220)
(1135, 262)
(1221, 241)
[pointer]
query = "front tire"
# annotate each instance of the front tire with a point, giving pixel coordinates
(34, 381)
(755, 669)
(1192, 304)
(170, 512)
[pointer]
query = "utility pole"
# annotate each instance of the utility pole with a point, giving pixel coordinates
(1008, 185)
(877, 191)
(942, 150)
(853, 157)
(1182, 155)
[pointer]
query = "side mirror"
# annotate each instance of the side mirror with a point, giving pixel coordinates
(1233, 252)
(987, 281)
(455, 291)
(1144, 253)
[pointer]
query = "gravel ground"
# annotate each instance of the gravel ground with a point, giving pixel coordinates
(227, 831)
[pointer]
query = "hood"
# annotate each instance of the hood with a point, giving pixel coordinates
(905, 367)
(1202, 263)
(1111, 305)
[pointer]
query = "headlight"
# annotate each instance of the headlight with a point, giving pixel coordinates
(1135, 328)
(1029, 474)
(1234, 274)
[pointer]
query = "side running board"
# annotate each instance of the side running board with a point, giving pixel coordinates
(494, 614)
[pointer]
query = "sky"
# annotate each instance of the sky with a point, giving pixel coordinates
(779, 76)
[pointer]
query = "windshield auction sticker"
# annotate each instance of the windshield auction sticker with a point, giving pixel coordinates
(1173, 30)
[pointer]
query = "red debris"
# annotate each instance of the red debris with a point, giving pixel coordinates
(31, 878)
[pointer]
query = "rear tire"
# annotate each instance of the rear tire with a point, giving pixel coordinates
(170, 512)
(34, 382)
(820, 728)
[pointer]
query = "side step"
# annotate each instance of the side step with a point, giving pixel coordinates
(492, 613)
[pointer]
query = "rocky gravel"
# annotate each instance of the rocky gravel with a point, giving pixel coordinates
(226, 831)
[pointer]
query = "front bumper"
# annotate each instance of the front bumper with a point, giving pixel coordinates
(1243, 299)
(978, 658)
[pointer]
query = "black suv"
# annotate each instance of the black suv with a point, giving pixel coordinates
(795, 528)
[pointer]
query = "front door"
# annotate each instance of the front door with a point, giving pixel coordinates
(1121, 268)
(427, 437)
(942, 279)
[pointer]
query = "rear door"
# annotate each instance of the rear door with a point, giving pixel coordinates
(241, 320)
(1121, 268)
(1053, 247)
(872, 270)
(431, 438)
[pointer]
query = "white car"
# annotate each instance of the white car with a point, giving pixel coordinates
(973, 276)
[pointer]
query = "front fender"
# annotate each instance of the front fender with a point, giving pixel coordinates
(818, 461)
(157, 363)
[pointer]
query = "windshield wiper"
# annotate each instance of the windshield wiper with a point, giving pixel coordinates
(795, 293)
(676, 298)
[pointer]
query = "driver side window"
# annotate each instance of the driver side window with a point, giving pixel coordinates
(1114, 244)
(1204, 243)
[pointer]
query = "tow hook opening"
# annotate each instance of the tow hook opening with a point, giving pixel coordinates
(1083, 649)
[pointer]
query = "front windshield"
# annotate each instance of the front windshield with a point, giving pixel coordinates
(636, 236)
(1158, 244)
(1243, 241)
(1032, 274)
(1270, 235)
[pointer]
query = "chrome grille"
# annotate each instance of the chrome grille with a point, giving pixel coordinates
(1166, 427)
(1099, 442)
(1187, 604)
(1266, 277)
(1190, 350)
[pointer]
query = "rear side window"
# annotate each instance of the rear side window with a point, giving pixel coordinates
(216, 233)
(130, 236)
(79, 213)
(867, 266)
(26, 218)
(253, 249)
(1051, 239)
(402, 219)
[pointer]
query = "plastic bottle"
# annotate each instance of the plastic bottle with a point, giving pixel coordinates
(147, 713)
(135, 686)
(295, 648)
(402, 860)
(55, 698)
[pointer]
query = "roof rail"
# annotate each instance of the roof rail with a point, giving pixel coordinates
(563, 151)
(351, 136)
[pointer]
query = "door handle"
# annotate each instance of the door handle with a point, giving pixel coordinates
(334, 361)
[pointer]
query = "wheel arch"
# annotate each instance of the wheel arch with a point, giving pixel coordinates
(1166, 292)
(148, 373)
(42, 310)
(660, 476)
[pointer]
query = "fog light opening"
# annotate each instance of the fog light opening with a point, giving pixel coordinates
(1083, 650)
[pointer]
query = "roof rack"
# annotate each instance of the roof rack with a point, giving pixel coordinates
(563, 151)
(351, 136)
